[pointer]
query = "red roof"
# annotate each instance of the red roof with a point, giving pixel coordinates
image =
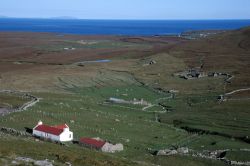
(49, 129)
(62, 126)
(92, 142)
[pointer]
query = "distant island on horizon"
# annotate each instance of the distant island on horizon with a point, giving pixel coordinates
(58, 17)
(122, 19)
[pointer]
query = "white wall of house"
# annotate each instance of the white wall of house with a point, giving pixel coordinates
(66, 135)
(46, 135)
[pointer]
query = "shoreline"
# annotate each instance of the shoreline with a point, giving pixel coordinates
(184, 34)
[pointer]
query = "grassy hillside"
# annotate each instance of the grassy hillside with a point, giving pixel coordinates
(176, 112)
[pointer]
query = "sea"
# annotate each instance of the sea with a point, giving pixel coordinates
(117, 27)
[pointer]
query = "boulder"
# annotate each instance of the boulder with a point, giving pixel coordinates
(183, 150)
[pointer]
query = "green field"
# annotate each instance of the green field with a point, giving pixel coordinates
(90, 44)
(93, 119)
(12, 101)
(139, 131)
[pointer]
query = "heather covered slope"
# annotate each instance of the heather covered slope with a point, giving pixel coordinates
(227, 52)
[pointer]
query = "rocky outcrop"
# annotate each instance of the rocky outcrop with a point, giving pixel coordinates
(205, 154)
(30, 161)
(169, 152)
(166, 152)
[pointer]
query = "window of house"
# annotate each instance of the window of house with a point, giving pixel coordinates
(70, 136)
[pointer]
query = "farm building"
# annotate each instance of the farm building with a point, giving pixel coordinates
(92, 143)
(58, 133)
(122, 101)
(98, 144)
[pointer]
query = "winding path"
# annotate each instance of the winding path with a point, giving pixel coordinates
(147, 107)
(235, 91)
(223, 97)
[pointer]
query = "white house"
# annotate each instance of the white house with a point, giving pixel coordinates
(58, 133)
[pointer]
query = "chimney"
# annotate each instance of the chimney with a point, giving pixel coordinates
(66, 129)
(39, 123)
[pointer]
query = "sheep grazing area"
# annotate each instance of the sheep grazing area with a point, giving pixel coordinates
(124, 90)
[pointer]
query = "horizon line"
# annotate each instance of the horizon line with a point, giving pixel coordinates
(123, 19)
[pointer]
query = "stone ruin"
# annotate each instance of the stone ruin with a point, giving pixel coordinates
(110, 148)
(193, 73)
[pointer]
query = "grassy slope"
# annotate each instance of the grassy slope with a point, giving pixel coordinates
(195, 105)
(12, 147)
(11, 101)
(229, 117)
(92, 120)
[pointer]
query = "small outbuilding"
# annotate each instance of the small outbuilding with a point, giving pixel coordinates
(98, 144)
(59, 133)
(92, 143)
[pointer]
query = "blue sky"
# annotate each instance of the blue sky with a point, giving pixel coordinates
(128, 9)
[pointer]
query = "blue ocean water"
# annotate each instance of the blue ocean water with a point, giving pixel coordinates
(117, 27)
